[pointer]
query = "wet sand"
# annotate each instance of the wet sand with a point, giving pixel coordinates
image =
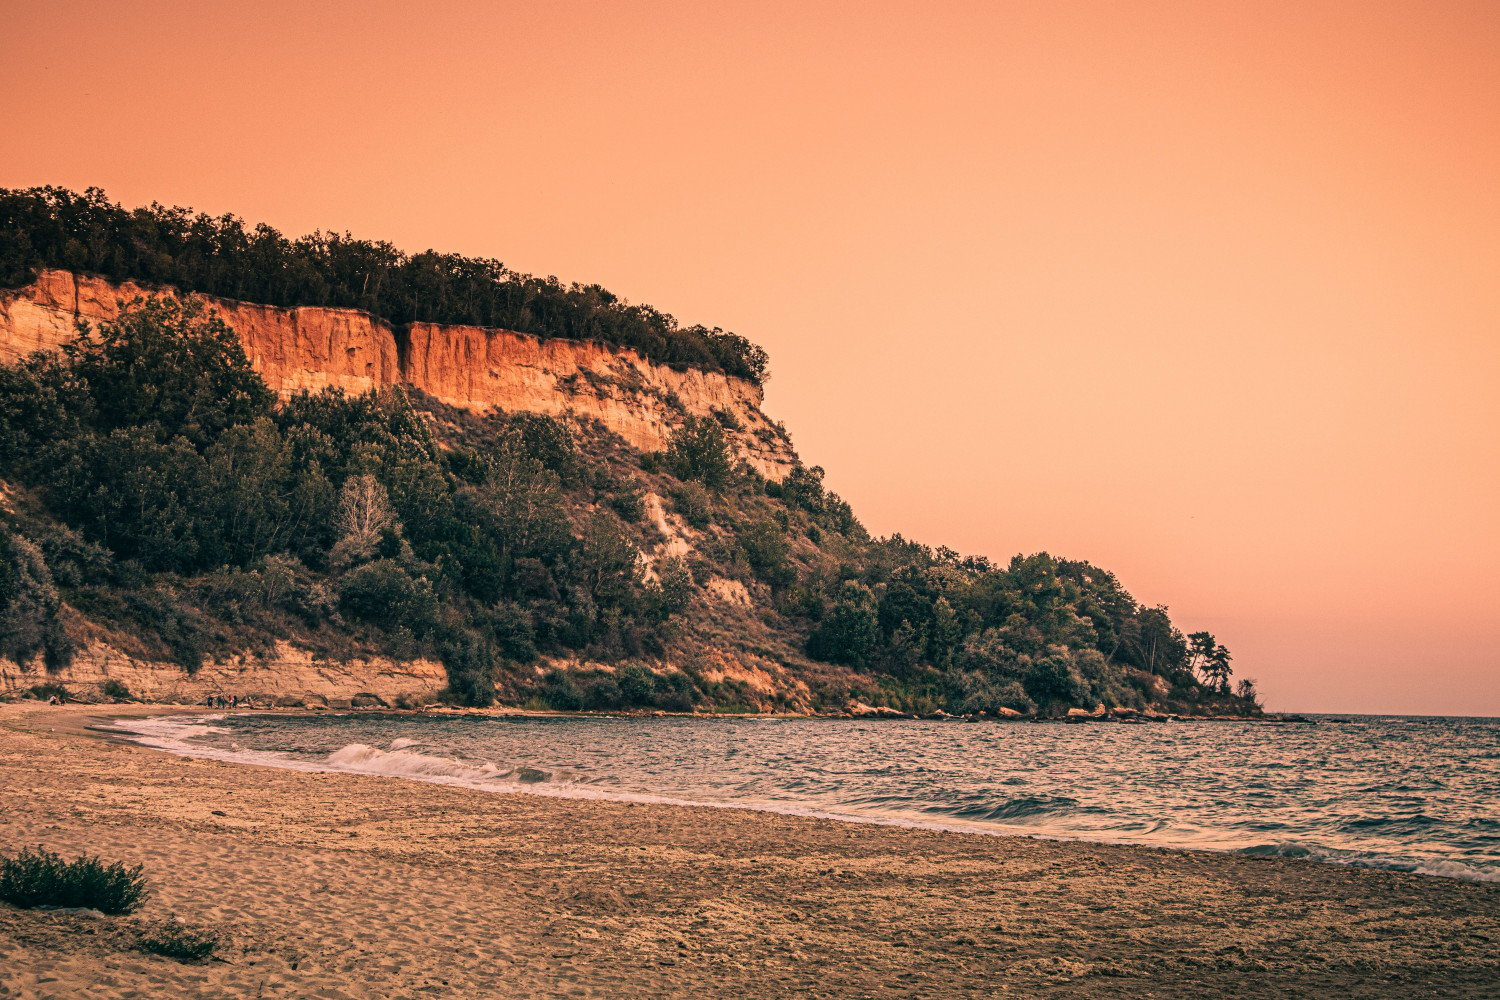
(334, 886)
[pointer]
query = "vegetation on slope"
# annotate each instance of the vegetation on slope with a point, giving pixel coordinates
(55, 227)
(159, 493)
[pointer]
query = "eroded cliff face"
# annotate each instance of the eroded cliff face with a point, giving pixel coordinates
(288, 676)
(471, 367)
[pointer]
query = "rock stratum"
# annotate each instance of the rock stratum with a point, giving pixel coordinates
(475, 368)
(286, 676)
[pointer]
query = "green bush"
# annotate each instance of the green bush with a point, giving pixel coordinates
(114, 690)
(699, 451)
(41, 878)
(182, 628)
(693, 504)
(560, 692)
(849, 630)
(675, 692)
(383, 593)
(1054, 681)
(629, 503)
(637, 687)
(765, 547)
(51, 689)
(176, 941)
(471, 665)
(599, 692)
(30, 608)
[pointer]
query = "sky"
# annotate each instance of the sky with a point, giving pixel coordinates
(1207, 293)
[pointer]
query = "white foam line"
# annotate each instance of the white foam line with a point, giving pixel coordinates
(171, 733)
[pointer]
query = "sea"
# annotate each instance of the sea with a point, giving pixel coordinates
(1410, 794)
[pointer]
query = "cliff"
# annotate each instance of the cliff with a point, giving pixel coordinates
(288, 676)
(347, 553)
(471, 367)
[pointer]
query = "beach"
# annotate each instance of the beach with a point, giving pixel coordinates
(337, 885)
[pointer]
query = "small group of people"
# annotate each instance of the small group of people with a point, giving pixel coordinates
(222, 701)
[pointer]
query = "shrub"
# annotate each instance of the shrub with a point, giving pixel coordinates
(1053, 680)
(629, 503)
(114, 690)
(599, 692)
(30, 607)
(560, 692)
(176, 941)
(50, 690)
(850, 629)
(40, 878)
(693, 504)
(675, 692)
(513, 630)
(972, 692)
(637, 687)
(727, 420)
(765, 547)
(699, 451)
(383, 593)
(470, 663)
(547, 440)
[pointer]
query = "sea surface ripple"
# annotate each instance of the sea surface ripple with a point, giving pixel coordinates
(1398, 793)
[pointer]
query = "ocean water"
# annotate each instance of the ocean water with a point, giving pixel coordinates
(1405, 794)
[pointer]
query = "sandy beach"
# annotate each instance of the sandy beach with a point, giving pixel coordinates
(335, 886)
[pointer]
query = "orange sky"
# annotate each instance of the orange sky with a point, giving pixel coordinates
(1206, 293)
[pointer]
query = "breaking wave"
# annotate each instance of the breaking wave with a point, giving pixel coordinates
(1390, 794)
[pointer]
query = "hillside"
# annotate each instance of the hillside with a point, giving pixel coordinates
(379, 501)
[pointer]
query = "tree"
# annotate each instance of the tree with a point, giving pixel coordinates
(946, 634)
(41, 403)
(607, 563)
(471, 665)
(362, 519)
(523, 503)
(1216, 670)
(766, 549)
(55, 227)
(699, 451)
(30, 608)
(1153, 643)
(1201, 647)
(169, 364)
(383, 593)
(142, 498)
(849, 630)
(1052, 680)
(255, 516)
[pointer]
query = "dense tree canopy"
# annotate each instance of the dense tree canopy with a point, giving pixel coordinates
(194, 470)
(55, 227)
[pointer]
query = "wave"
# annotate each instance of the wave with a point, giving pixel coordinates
(1445, 868)
(907, 796)
(403, 763)
(1027, 807)
(1390, 824)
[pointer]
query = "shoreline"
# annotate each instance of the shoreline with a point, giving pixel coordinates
(333, 882)
(170, 744)
(876, 714)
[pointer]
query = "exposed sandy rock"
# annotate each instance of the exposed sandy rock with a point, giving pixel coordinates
(729, 591)
(467, 366)
(675, 543)
(763, 677)
(289, 676)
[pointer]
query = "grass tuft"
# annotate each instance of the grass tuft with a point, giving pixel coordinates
(39, 877)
